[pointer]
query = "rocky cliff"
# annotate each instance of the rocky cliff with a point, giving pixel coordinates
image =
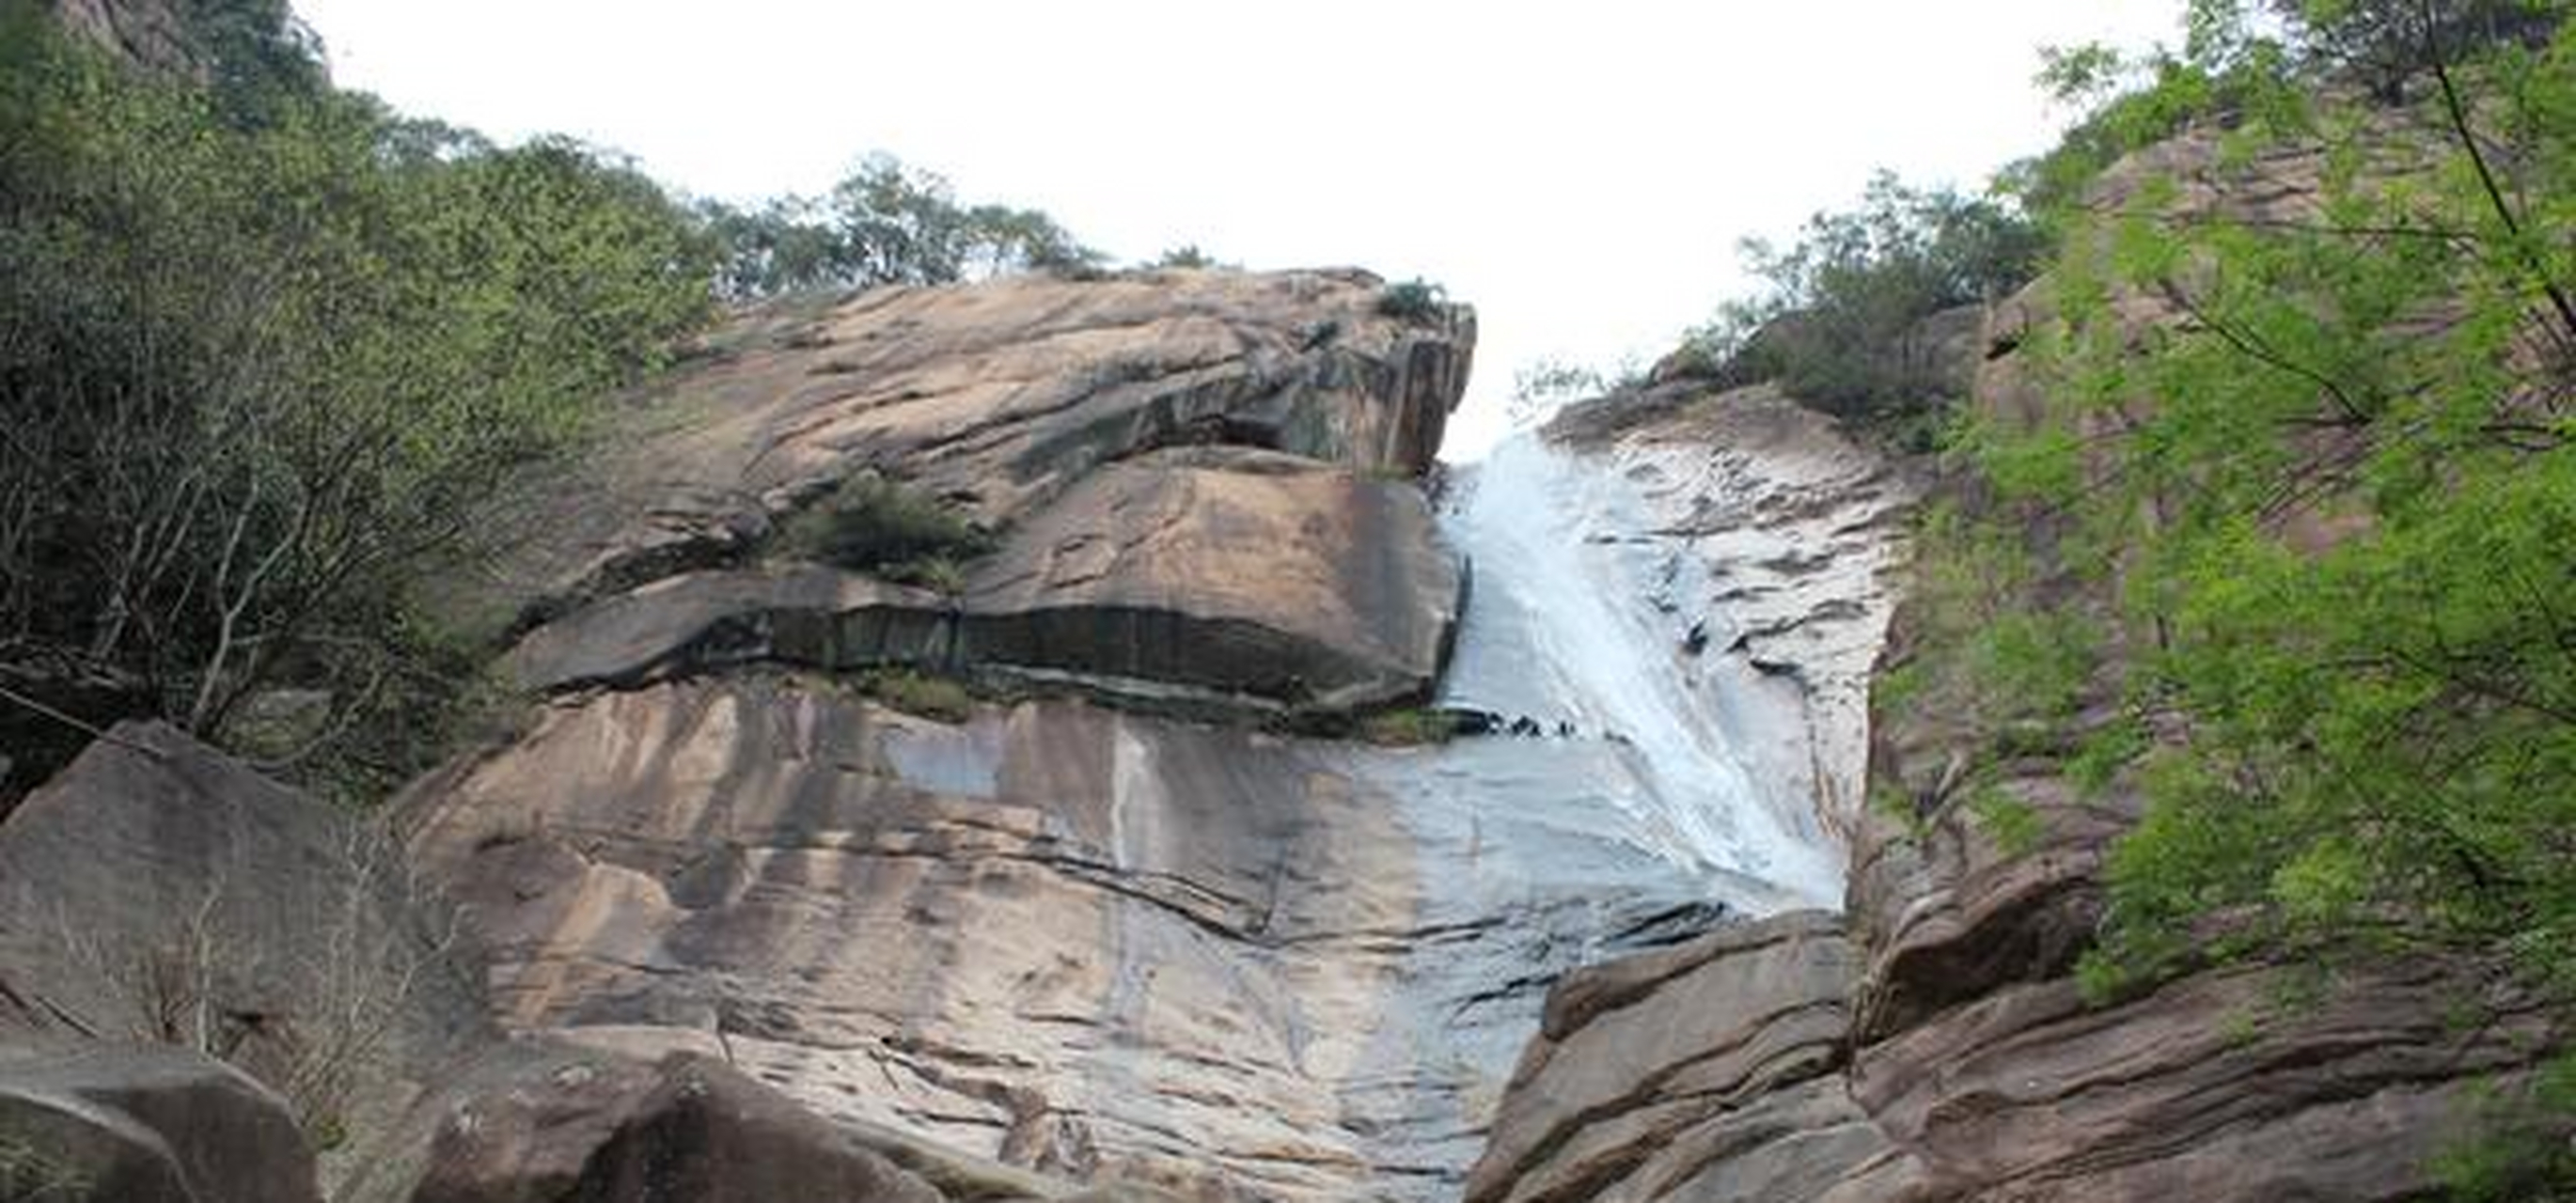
(1929, 1041)
(1104, 843)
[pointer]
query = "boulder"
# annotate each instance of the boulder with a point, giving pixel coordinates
(143, 1123)
(1228, 571)
(599, 1130)
(1708, 1070)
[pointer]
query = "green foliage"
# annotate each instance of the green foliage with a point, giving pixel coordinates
(877, 526)
(1410, 727)
(885, 224)
(257, 376)
(2515, 1148)
(1413, 301)
(1836, 321)
(2336, 493)
(938, 699)
(1188, 257)
(2013, 825)
(1986, 656)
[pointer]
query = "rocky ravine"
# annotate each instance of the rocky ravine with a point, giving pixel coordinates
(1112, 923)
(1122, 928)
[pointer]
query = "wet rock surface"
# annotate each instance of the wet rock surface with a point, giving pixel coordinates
(1074, 929)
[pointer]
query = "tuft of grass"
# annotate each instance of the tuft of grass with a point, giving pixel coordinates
(2012, 823)
(29, 1174)
(1410, 727)
(939, 699)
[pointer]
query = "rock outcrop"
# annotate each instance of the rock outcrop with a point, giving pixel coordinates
(158, 891)
(995, 398)
(1063, 926)
(1204, 577)
(167, 903)
(153, 34)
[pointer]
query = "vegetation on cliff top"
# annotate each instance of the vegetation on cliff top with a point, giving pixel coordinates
(270, 353)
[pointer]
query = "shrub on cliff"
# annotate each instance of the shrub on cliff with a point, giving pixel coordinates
(1835, 317)
(877, 526)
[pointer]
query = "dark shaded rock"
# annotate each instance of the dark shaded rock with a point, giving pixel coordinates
(139, 1123)
(688, 1128)
(804, 614)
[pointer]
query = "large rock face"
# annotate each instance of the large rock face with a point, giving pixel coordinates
(996, 397)
(1100, 922)
(1052, 933)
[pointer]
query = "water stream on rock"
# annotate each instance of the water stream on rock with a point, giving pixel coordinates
(1617, 819)
(1580, 621)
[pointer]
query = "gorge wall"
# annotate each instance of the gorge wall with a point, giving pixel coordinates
(1117, 857)
(1930, 1041)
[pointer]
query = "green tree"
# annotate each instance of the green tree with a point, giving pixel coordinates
(257, 377)
(1835, 317)
(2381, 720)
(885, 223)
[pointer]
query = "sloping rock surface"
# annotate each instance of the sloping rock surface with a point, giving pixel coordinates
(995, 397)
(1087, 942)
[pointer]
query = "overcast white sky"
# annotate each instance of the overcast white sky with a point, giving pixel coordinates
(1579, 171)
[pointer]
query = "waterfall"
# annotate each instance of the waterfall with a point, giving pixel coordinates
(1578, 623)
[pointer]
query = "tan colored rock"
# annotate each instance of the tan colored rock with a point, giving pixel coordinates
(1092, 944)
(1224, 574)
(1226, 570)
(1708, 1071)
(995, 396)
